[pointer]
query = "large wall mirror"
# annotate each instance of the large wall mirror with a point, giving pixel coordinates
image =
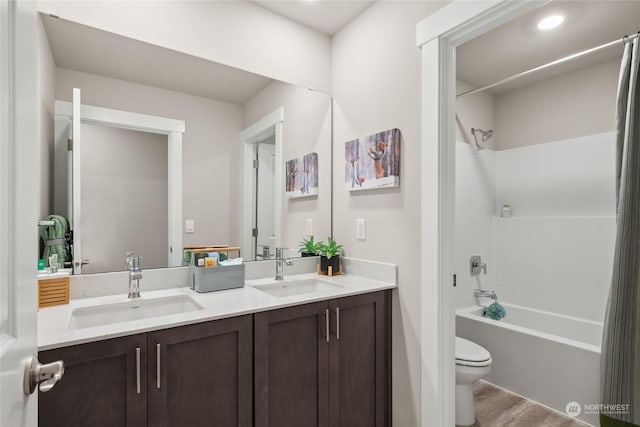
(240, 130)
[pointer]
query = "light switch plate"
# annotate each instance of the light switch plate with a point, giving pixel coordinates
(361, 229)
(188, 226)
(309, 226)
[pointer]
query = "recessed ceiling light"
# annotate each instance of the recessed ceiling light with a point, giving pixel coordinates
(550, 22)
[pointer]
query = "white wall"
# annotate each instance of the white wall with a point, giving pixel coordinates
(562, 265)
(235, 33)
(475, 195)
(475, 201)
(306, 129)
(567, 106)
(376, 86)
(556, 252)
(573, 177)
(210, 147)
(46, 80)
(556, 169)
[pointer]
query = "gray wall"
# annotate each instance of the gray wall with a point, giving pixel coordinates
(567, 106)
(210, 147)
(236, 33)
(124, 197)
(376, 86)
(306, 129)
(474, 111)
(46, 80)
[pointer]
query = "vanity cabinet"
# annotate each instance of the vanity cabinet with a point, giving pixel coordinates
(324, 364)
(196, 375)
(100, 385)
(201, 375)
(360, 361)
(292, 366)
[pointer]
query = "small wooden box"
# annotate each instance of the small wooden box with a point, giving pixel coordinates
(53, 292)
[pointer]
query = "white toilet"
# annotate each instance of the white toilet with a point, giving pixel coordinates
(473, 362)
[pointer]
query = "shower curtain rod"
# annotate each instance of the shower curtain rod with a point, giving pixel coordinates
(625, 39)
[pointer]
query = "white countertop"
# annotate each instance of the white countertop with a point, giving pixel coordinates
(63, 272)
(53, 322)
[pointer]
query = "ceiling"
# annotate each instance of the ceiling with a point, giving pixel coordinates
(325, 16)
(81, 48)
(518, 45)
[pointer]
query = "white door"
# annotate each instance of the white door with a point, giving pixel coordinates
(76, 191)
(265, 197)
(18, 208)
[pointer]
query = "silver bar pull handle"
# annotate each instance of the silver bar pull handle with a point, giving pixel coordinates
(326, 318)
(138, 370)
(158, 365)
(337, 323)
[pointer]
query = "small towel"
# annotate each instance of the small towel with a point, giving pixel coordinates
(55, 239)
(495, 311)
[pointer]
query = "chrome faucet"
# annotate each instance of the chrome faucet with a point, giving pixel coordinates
(265, 255)
(479, 293)
(135, 274)
(280, 262)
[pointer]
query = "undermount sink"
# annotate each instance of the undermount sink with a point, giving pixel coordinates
(297, 287)
(87, 317)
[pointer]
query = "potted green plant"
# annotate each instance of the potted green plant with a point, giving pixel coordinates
(309, 247)
(330, 256)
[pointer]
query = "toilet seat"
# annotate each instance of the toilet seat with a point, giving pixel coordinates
(469, 353)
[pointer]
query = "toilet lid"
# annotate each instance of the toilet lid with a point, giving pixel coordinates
(471, 354)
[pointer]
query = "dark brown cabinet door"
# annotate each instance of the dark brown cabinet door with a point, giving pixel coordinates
(359, 363)
(291, 365)
(201, 375)
(99, 386)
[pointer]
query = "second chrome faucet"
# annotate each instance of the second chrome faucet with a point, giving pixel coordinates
(135, 274)
(280, 262)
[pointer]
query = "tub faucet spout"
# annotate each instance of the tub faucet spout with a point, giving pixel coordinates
(479, 293)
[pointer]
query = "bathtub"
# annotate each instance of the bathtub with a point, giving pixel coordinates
(546, 357)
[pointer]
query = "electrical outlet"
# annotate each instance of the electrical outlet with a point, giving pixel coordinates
(361, 229)
(309, 227)
(188, 226)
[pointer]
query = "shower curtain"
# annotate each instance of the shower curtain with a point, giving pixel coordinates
(620, 371)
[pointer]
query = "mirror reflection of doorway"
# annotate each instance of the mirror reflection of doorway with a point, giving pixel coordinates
(124, 197)
(263, 186)
(264, 220)
(117, 165)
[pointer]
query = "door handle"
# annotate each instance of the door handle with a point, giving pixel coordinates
(158, 365)
(337, 312)
(326, 325)
(44, 375)
(138, 370)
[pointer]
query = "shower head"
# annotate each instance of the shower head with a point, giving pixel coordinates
(485, 135)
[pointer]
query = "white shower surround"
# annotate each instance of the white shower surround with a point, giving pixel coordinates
(556, 252)
(551, 262)
(550, 358)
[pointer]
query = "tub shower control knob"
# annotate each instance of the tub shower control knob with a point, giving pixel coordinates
(476, 265)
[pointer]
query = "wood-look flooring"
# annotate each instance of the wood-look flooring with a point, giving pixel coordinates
(496, 407)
